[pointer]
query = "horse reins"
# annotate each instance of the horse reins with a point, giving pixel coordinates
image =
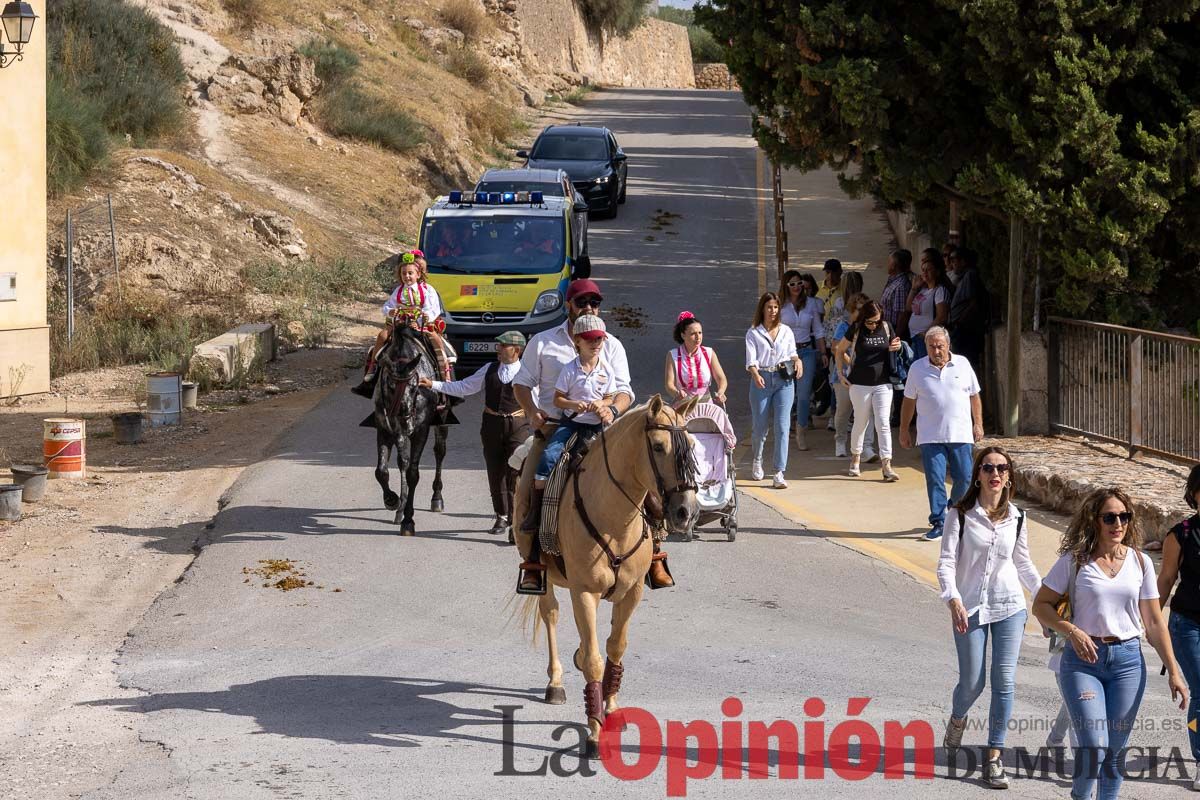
(685, 468)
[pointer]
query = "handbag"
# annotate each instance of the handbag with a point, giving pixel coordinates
(1058, 642)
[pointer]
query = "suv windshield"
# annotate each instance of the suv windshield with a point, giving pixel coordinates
(551, 189)
(570, 147)
(498, 244)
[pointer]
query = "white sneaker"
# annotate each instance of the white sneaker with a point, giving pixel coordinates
(756, 472)
(1196, 783)
(778, 482)
(839, 450)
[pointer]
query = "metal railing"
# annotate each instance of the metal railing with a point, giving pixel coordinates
(1133, 387)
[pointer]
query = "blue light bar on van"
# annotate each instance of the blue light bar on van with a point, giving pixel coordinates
(536, 198)
(481, 197)
(493, 198)
(510, 197)
(456, 197)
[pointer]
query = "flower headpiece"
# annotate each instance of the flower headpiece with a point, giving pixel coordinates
(685, 315)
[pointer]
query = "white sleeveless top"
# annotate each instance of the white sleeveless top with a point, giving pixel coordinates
(693, 374)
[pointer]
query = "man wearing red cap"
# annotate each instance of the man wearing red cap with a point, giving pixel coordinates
(541, 364)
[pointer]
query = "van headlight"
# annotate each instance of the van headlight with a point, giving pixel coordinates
(547, 301)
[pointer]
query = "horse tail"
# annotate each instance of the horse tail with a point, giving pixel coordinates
(525, 613)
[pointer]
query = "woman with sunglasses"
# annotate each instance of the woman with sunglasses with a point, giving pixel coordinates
(864, 355)
(983, 565)
(1181, 560)
(773, 365)
(802, 313)
(1113, 601)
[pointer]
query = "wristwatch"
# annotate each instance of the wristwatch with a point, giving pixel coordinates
(616, 412)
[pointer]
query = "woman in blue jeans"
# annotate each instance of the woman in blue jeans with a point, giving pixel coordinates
(1113, 600)
(1181, 559)
(983, 565)
(773, 365)
(801, 313)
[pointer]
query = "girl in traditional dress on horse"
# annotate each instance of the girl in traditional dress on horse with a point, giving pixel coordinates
(413, 302)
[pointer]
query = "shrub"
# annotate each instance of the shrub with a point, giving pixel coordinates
(705, 49)
(312, 280)
(615, 16)
(247, 13)
(334, 63)
(494, 121)
(469, 65)
(76, 140)
(465, 16)
(123, 60)
(348, 111)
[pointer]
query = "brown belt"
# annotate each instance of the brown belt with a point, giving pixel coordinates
(1109, 639)
(519, 413)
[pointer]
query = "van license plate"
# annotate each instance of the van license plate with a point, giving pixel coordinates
(480, 347)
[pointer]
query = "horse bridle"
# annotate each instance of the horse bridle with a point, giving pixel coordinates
(685, 473)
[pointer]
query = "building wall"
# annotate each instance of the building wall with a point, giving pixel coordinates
(24, 336)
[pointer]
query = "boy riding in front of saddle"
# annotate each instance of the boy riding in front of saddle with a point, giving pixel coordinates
(414, 302)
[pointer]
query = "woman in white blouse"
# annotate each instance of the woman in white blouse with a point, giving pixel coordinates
(1113, 599)
(773, 365)
(802, 313)
(984, 563)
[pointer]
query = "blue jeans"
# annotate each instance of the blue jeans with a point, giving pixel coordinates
(556, 443)
(918, 346)
(936, 459)
(971, 646)
(771, 405)
(1104, 699)
(1185, 638)
(804, 385)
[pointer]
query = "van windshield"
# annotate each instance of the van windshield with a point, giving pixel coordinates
(499, 244)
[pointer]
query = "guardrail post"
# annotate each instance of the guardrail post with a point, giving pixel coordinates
(1016, 285)
(1135, 394)
(1053, 361)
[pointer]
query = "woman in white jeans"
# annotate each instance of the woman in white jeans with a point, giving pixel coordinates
(841, 420)
(865, 355)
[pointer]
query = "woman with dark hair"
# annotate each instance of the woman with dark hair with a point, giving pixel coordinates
(864, 354)
(773, 365)
(1181, 559)
(983, 565)
(802, 313)
(928, 300)
(693, 370)
(1112, 600)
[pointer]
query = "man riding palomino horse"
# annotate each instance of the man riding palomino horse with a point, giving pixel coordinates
(542, 363)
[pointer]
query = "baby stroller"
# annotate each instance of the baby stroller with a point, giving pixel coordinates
(710, 427)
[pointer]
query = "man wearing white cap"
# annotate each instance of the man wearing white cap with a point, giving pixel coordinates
(542, 363)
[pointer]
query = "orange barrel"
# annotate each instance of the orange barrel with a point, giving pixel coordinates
(64, 447)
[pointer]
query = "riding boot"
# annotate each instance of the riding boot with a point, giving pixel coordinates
(366, 387)
(659, 576)
(531, 577)
(532, 524)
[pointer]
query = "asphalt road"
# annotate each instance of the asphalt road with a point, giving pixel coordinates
(395, 685)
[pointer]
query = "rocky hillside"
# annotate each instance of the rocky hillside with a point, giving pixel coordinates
(258, 178)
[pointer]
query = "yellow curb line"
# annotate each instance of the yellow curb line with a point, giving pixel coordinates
(830, 529)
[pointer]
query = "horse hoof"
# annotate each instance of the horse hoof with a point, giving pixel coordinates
(556, 695)
(591, 749)
(408, 529)
(437, 506)
(391, 501)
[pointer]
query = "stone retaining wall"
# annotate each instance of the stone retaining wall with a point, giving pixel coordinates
(714, 76)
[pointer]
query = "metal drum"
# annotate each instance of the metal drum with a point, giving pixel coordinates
(164, 398)
(64, 447)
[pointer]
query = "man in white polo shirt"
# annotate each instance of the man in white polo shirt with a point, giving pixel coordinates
(944, 392)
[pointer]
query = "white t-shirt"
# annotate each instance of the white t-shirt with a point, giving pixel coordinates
(924, 308)
(586, 386)
(1104, 606)
(943, 400)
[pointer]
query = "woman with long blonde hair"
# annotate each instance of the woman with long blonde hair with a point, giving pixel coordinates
(1113, 601)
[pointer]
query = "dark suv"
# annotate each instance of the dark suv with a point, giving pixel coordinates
(591, 157)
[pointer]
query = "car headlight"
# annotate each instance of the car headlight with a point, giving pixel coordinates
(547, 301)
(602, 179)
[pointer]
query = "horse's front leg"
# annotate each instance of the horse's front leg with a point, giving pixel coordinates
(588, 660)
(548, 609)
(439, 455)
(383, 456)
(404, 500)
(412, 476)
(617, 641)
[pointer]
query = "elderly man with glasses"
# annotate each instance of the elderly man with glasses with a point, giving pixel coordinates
(544, 358)
(943, 391)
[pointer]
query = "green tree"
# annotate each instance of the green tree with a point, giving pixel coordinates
(1076, 115)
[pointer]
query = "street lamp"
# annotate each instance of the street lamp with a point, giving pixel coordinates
(18, 19)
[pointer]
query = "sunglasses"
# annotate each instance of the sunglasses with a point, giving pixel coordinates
(794, 283)
(586, 302)
(993, 468)
(1111, 518)
(871, 323)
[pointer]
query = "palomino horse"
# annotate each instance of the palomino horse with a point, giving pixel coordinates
(404, 413)
(606, 547)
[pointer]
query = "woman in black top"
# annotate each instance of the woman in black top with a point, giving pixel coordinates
(866, 351)
(1181, 558)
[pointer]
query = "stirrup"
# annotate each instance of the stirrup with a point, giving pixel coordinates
(537, 569)
(660, 556)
